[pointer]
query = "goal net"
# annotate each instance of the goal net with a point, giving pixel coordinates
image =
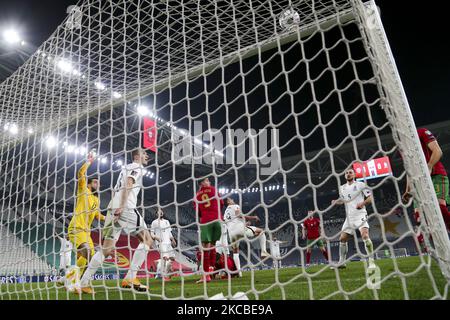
(272, 100)
(388, 254)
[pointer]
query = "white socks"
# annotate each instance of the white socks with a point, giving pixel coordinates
(138, 259)
(343, 249)
(158, 267)
(237, 262)
(96, 262)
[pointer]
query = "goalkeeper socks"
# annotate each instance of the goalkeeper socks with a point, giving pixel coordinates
(82, 263)
(96, 262)
(138, 259)
(445, 215)
(343, 249)
(212, 256)
(308, 257)
(262, 242)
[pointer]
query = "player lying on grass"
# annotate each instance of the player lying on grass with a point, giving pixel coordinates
(225, 264)
(123, 216)
(86, 210)
(311, 231)
(238, 229)
(355, 196)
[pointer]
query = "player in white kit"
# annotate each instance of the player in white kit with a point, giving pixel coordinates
(355, 195)
(162, 231)
(123, 216)
(238, 229)
(65, 254)
(274, 245)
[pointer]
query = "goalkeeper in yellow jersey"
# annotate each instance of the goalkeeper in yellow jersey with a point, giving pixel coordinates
(86, 209)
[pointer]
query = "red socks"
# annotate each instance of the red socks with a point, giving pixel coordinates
(212, 257)
(206, 260)
(325, 254)
(445, 215)
(308, 256)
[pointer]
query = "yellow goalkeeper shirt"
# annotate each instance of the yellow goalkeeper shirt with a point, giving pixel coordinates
(87, 205)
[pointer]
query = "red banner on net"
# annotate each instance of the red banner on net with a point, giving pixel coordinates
(372, 169)
(150, 134)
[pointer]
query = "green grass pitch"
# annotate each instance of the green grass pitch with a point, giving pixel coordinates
(402, 278)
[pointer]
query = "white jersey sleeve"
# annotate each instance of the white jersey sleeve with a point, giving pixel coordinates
(364, 189)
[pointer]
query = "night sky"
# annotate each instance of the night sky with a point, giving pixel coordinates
(418, 36)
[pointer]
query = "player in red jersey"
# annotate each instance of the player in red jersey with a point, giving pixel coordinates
(433, 155)
(311, 232)
(209, 205)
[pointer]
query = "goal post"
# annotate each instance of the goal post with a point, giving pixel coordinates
(272, 100)
(401, 120)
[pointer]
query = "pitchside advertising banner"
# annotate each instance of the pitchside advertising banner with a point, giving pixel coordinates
(376, 168)
(113, 266)
(150, 134)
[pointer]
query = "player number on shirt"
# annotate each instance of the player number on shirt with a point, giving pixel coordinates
(205, 198)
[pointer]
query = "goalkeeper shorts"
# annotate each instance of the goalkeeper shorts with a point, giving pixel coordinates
(78, 238)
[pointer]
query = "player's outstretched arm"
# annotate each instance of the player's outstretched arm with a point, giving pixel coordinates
(436, 154)
(252, 218)
(366, 202)
(82, 182)
(337, 202)
(99, 216)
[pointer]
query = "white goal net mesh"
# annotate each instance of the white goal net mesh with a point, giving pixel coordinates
(272, 100)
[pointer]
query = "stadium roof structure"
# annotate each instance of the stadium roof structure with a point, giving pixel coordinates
(117, 55)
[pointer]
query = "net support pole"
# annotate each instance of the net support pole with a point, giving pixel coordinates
(403, 127)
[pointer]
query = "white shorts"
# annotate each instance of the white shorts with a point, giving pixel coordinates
(130, 222)
(275, 253)
(238, 230)
(355, 222)
(166, 250)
